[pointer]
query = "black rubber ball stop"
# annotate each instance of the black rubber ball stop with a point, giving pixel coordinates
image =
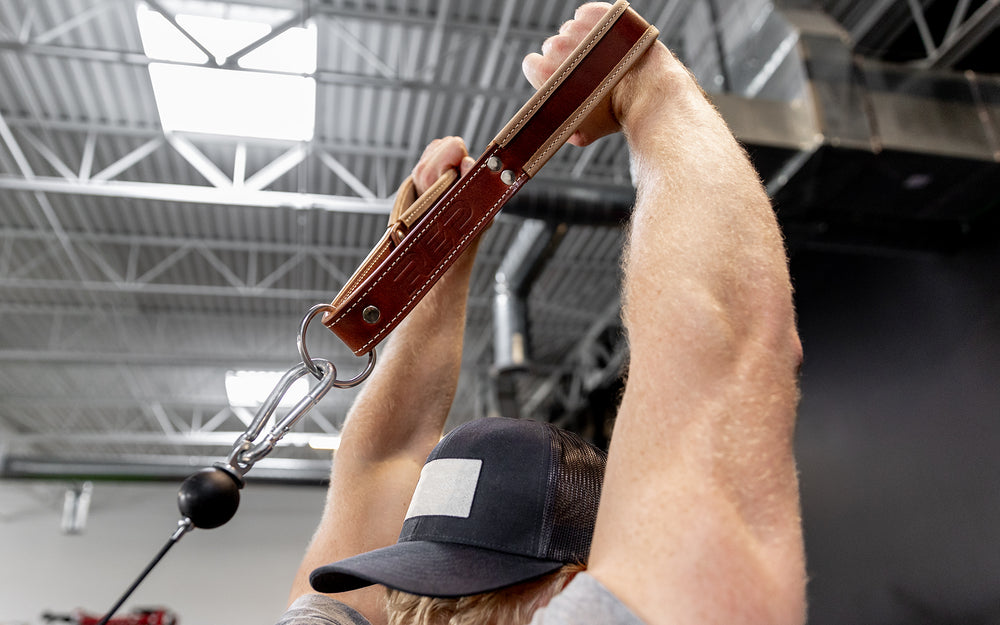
(209, 498)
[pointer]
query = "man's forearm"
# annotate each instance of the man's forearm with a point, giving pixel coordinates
(701, 491)
(706, 277)
(396, 420)
(407, 398)
(397, 417)
(703, 232)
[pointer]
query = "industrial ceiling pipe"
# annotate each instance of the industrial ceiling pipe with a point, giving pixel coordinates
(534, 244)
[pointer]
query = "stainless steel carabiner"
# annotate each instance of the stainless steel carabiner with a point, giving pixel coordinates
(250, 447)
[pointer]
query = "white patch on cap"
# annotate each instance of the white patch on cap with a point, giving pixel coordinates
(446, 488)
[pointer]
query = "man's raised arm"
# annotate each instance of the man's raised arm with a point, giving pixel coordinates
(397, 417)
(699, 521)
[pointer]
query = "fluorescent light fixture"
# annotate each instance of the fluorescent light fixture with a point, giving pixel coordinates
(328, 443)
(276, 101)
(250, 389)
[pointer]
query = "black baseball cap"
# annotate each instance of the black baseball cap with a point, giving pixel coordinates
(499, 502)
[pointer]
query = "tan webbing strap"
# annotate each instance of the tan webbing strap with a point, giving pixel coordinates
(427, 234)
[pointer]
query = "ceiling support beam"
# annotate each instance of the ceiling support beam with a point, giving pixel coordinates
(126, 161)
(168, 436)
(366, 53)
(43, 202)
(957, 17)
(170, 17)
(77, 20)
(149, 133)
(917, 11)
(874, 12)
(597, 361)
(96, 357)
(965, 36)
(93, 286)
(48, 154)
(277, 168)
(489, 69)
(15, 149)
(135, 240)
(436, 41)
(197, 194)
(344, 174)
(322, 76)
(87, 159)
(197, 159)
(478, 29)
(232, 61)
(160, 468)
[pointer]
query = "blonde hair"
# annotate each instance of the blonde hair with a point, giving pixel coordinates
(508, 606)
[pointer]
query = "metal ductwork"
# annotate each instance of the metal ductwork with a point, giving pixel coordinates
(861, 152)
(534, 244)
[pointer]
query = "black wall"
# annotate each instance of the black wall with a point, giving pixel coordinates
(899, 436)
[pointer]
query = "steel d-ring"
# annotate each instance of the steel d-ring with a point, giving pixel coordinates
(313, 367)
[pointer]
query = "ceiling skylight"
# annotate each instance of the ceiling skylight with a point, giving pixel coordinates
(276, 101)
(250, 389)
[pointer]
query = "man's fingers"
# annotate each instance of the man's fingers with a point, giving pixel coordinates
(538, 67)
(467, 164)
(431, 147)
(559, 47)
(555, 50)
(439, 156)
(591, 12)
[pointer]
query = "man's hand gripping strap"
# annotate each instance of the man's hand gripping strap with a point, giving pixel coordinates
(426, 236)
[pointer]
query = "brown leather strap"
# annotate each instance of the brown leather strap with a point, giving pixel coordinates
(406, 210)
(427, 235)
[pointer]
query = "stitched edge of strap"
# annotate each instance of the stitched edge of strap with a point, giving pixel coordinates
(406, 195)
(546, 90)
(432, 277)
(558, 138)
(334, 318)
(373, 260)
(419, 206)
(401, 212)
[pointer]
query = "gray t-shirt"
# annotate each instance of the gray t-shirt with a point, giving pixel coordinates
(321, 610)
(584, 601)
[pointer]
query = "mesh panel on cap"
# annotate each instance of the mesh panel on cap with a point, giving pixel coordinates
(575, 479)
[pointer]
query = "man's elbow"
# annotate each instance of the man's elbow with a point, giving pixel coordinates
(795, 353)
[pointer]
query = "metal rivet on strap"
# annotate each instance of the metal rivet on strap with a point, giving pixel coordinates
(371, 314)
(508, 177)
(494, 163)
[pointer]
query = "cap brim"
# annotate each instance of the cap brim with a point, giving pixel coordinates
(431, 569)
